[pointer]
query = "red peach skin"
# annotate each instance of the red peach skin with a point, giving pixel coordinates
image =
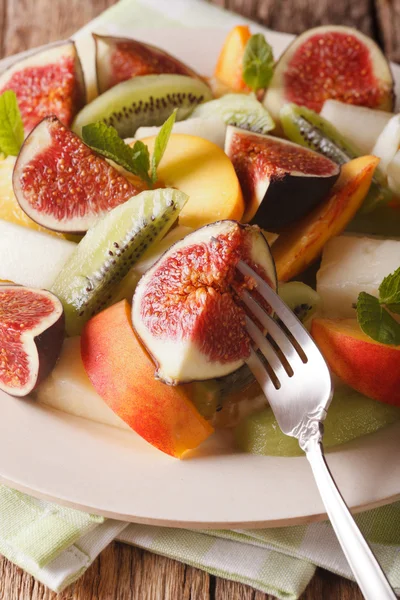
(367, 366)
(123, 375)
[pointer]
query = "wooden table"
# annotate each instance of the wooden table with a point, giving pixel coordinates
(122, 572)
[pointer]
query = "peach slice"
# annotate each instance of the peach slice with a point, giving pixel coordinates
(303, 242)
(229, 65)
(203, 171)
(367, 366)
(123, 375)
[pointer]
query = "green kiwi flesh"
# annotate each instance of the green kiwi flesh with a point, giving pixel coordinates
(144, 101)
(240, 110)
(307, 128)
(109, 249)
(300, 298)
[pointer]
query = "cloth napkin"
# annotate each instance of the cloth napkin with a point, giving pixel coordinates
(56, 544)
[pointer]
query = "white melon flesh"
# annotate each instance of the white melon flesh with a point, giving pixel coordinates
(212, 129)
(359, 124)
(393, 173)
(181, 359)
(69, 389)
(388, 143)
(350, 265)
(29, 257)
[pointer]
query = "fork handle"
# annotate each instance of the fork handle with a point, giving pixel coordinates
(366, 569)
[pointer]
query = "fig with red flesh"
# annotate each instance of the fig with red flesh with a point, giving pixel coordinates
(186, 309)
(331, 62)
(49, 82)
(281, 181)
(31, 336)
(62, 184)
(119, 59)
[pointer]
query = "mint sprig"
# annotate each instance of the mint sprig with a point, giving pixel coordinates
(11, 126)
(389, 291)
(105, 140)
(373, 314)
(160, 144)
(258, 63)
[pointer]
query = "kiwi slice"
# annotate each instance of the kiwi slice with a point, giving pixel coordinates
(240, 110)
(144, 101)
(307, 128)
(109, 249)
(351, 415)
(300, 298)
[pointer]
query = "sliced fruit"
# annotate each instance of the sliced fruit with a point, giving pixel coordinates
(350, 416)
(281, 181)
(109, 249)
(126, 287)
(119, 59)
(186, 310)
(350, 265)
(240, 110)
(388, 143)
(49, 82)
(213, 130)
(29, 257)
(303, 242)
(10, 210)
(229, 65)
(331, 62)
(143, 101)
(68, 384)
(61, 184)
(204, 172)
(301, 299)
(393, 173)
(123, 375)
(31, 336)
(359, 124)
(307, 128)
(365, 365)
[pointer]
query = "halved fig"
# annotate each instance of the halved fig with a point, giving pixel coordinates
(186, 308)
(62, 184)
(281, 181)
(31, 336)
(119, 59)
(331, 62)
(49, 82)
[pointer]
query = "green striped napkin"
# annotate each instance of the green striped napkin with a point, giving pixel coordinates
(56, 545)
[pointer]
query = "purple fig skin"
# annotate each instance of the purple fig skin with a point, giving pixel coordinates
(156, 55)
(80, 95)
(45, 350)
(49, 345)
(277, 199)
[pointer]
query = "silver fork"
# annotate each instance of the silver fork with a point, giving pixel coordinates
(298, 386)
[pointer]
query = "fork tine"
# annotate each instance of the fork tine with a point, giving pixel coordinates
(266, 349)
(279, 307)
(272, 327)
(261, 374)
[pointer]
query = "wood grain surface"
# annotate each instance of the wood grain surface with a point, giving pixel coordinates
(122, 572)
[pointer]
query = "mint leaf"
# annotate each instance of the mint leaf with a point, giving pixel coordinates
(160, 144)
(376, 321)
(258, 62)
(105, 140)
(141, 160)
(11, 126)
(389, 291)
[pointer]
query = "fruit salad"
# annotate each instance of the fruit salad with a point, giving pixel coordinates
(122, 222)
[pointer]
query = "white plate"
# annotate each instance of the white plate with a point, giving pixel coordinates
(112, 472)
